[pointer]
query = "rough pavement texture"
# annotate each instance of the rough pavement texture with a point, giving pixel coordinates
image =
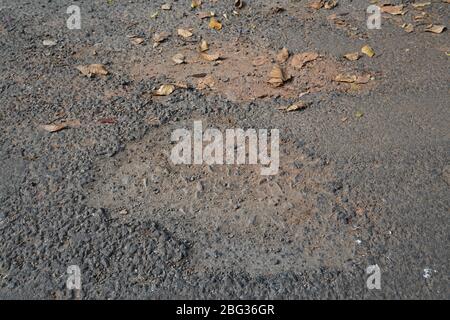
(367, 190)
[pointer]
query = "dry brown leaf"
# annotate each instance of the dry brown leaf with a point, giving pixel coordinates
(203, 46)
(277, 76)
(435, 28)
(160, 37)
(210, 57)
(352, 56)
(330, 4)
(184, 33)
(394, 10)
(165, 90)
(196, 4)
(214, 24)
(92, 70)
(368, 51)
(178, 58)
(137, 40)
(345, 78)
(283, 55)
(61, 126)
(206, 82)
(204, 15)
(408, 27)
(300, 105)
(301, 59)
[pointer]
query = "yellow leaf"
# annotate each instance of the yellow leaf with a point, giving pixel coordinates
(165, 90)
(367, 50)
(184, 33)
(214, 24)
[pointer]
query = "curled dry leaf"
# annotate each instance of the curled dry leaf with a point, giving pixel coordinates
(283, 55)
(137, 40)
(203, 46)
(206, 82)
(210, 57)
(394, 10)
(352, 56)
(196, 4)
(214, 24)
(178, 58)
(435, 28)
(277, 76)
(408, 27)
(184, 33)
(61, 126)
(330, 4)
(165, 90)
(160, 37)
(368, 51)
(301, 59)
(300, 105)
(92, 70)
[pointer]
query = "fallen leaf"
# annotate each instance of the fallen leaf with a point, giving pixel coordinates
(210, 57)
(352, 56)
(203, 46)
(394, 10)
(92, 70)
(61, 126)
(421, 5)
(204, 15)
(277, 76)
(165, 90)
(214, 24)
(359, 114)
(301, 59)
(137, 40)
(367, 50)
(166, 6)
(408, 27)
(178, 58)
(282, 56)
(435, 28)
(184, 33)
(160, 37)
(330, 4)
(345, 78)
(206, 82)
(196, 4)
(300, 105)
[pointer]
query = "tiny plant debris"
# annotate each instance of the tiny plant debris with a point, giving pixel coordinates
(178, 58)
(435, 28)
(166, 6)
(318, 4)
(421, 5)
(277, 76)
(214, 24)
(301, 59)
(330, 4)
(352, 56)
(92, 70)
(210, 57)
(283, 55)
(408, 27)
(368, 51)
(137, 40)
(61, 126)
(165, 90)
(184, 33)
(196, 4)
(300, 105)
